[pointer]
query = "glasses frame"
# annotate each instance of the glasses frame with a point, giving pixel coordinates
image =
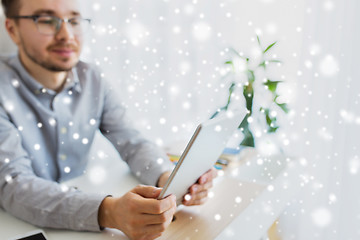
(59, 21)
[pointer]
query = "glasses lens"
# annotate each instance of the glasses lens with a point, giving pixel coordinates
(79, 25)
(47, 24)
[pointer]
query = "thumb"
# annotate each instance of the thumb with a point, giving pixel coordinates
(147, 191)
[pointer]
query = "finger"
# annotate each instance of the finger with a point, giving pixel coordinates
(208, 176)
(200, 187)
(154, 206)
(150, 219)
(195, 202)
(199, 195)
(147, 191)
(156, 229)
(189, 199)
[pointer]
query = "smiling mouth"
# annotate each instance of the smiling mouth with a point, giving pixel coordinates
(63, 52)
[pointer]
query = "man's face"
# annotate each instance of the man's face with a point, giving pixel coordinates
(59, 52)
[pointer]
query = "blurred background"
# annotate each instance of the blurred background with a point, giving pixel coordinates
(167, 58)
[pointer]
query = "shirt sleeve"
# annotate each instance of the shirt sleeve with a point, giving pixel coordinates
(145, 159)
(36, 200)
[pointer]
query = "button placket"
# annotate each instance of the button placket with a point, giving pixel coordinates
(60, 109)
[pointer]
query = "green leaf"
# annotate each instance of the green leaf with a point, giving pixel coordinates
(272, 85)
(270, 46)
(248, 93)
(248, 136)
(274, 61)
(236, 53)
(284, 107)
(248, 140)
(272, 129)
(262, 64)
(251, 76)
(225, 108)
(229, 62)
(270, 122)
(214, 114)
(258, 39)
(231, 90)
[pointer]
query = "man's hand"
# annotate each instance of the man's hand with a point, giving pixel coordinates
(198, 192)
(138, 213)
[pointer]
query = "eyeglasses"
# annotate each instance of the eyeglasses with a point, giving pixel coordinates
(50, 25)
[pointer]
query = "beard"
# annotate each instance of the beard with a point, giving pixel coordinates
(49, 65)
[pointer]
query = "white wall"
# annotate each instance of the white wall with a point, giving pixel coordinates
(6, 45)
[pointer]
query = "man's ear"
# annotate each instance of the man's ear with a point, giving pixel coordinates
(13, 30)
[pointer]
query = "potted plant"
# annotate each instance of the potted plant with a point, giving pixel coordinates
(250, 85)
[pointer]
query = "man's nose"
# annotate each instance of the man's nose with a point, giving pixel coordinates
(65, 32)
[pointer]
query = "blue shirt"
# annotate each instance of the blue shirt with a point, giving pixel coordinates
(45, 137)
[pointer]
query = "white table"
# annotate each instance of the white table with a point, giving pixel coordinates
(245, 201)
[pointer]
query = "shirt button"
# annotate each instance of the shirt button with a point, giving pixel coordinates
(63, 130)
(63, 157)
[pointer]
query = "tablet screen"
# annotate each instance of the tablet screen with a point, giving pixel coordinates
(204, 148)
(37, 236)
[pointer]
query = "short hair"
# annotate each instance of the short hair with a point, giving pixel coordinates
(11, 7)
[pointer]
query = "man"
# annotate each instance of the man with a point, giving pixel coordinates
(51, 105)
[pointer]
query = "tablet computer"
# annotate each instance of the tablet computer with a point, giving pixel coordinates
(201, 153)
(37, 234)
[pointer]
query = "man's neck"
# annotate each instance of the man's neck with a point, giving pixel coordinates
(49, 79)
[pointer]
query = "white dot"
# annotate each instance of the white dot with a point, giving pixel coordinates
(39, 125)
(238, 199)
(162, 121)
(308, 64)
(97, 174)
(92, 121)
(201, 31)
(187, 197)
(76, 136)
(186, 105)
(175, 129)
(7, 160)
(217, 217)
(67, 169)
(270, 188)
(20, 128)
(52, 122)
(37, 147)
(217, 128)
(329, 66)
(176, 29)
(67, 100)
(15, 83)
(131, 89)
(85, 141)
(8, 178)
(211, 194)
(9, 106)
(160, 161)
(64, 188)
(321, 217)
(96, 6)
(329, 5)
(250, 119)
(332, 197)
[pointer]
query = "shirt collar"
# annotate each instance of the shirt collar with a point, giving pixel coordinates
(72, 80)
